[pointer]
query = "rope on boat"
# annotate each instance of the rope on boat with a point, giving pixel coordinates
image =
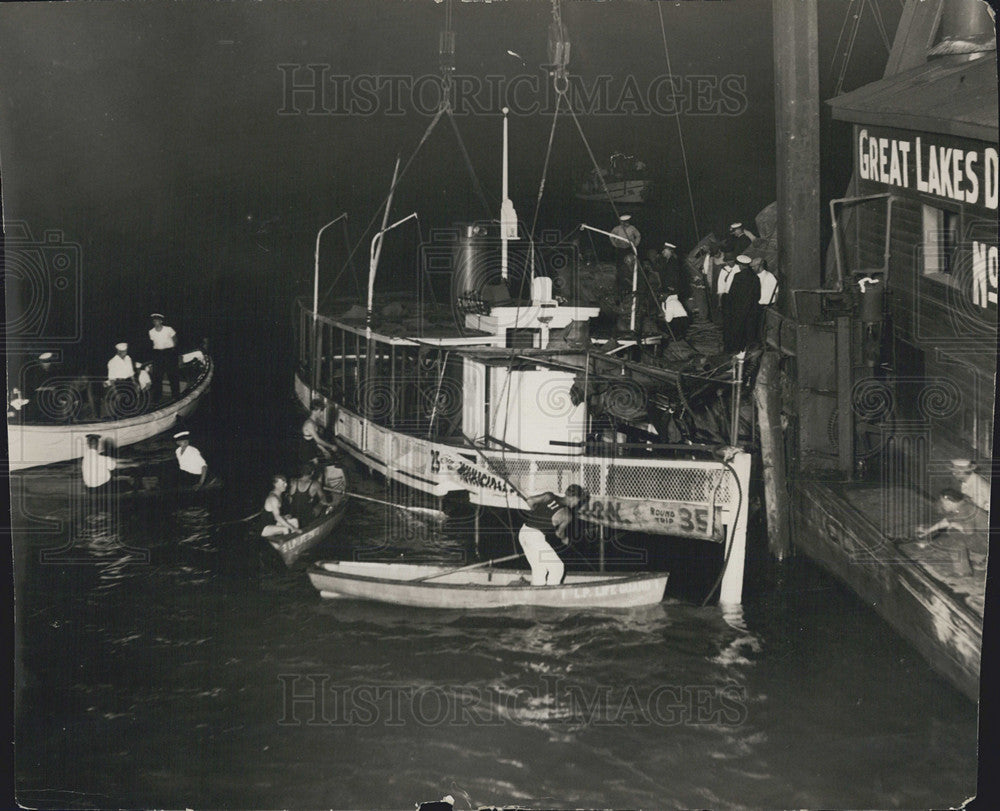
(374, 217)
(677, 118)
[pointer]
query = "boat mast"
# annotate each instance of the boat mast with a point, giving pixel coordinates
(508, 216)
(377, 250)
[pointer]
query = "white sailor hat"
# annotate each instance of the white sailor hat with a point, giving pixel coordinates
(122, 347)
(963, 465)
(669, 245)
(735, 225)
(156, 315)
(46, 356)
(625, 217)
(743, 259)
(182, 435)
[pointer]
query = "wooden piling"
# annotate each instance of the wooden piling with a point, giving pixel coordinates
(767, 398)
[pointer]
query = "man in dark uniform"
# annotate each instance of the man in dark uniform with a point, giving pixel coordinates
(675, 280)
(549, 513)
(739, 239)
(740, 307)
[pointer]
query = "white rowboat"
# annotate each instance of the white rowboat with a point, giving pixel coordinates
(401, 584)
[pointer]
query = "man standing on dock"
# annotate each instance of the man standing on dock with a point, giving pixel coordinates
(549, 514)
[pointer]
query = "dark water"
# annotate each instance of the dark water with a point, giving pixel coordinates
(174, 665)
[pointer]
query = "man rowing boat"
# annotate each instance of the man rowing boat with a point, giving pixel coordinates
(549, 513)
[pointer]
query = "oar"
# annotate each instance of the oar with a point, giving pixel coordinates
(439, 515)
(466, 568)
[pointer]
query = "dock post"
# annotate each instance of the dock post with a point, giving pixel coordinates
(731, 590)
(600, 558)
(767, 397)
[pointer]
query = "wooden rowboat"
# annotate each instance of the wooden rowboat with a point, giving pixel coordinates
(291, 546)
(34, 445)
(403, 584)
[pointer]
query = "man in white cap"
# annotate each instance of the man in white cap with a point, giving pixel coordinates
(193, 467)
(740, 307)
(739, 238)
(120, 367)
(36, 377)
(626, 236)
(164, 339)
(121, 380)
(972, 485)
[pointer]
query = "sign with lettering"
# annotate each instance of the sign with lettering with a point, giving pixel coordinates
(687, 518)
(984, 274)
(959, 170)
(471, 476)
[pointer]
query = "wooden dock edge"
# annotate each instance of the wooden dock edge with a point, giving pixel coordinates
(946, 631)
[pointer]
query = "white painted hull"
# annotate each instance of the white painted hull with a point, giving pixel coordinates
(481, 588)
(36, 445)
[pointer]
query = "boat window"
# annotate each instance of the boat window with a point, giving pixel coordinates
(938, 247)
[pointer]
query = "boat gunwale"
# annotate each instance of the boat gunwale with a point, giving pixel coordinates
(129, 422)
(608, 579)
(280, 543)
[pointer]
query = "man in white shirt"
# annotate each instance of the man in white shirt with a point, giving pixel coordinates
(768, 292)
(123, 393)
(626, 236)
(97, 469)
(725, 279)
(193, 468)
(164, 339)
(973, 486)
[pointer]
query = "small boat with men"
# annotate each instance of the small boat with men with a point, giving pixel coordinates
(475, 587)
(292, 545)
(36, 444)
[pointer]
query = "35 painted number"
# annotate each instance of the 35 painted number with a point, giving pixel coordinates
(696, 523)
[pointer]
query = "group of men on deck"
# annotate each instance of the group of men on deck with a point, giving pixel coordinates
(124, 381)
(126, 375)
(742, 287)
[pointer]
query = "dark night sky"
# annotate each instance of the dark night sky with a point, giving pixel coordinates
(155, 125)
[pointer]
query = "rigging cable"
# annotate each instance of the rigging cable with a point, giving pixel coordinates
(374, 217)
(677, 118)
